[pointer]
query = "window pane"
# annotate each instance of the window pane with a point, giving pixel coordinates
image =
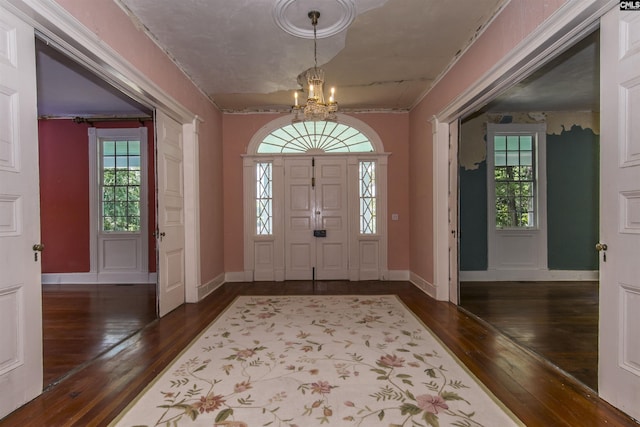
(513, 158)
(500, 143)
(122, 148)
(526, 143)
(526, 158)
(134, 162)
(501, 158)
(109, 148)
(513, 142)
(134, 148)
(109, 162)
(325, 136)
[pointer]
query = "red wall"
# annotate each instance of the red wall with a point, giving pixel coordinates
(64, 193)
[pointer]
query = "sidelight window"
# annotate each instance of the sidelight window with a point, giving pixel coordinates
(367, 194)
(264, 199)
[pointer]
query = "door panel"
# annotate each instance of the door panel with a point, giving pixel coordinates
(309, 208)
(300, 251)
(331, 199)
(20, 287)
(619, 361)
(171, 243)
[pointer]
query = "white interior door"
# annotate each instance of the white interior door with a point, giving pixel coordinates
(619, 361)
(20, 288)
(171, 229)
(619, 357)
(316, 199)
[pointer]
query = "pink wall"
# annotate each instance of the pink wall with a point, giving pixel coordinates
(393, 129)
(516, 21)
(114, 27)
(64, 194)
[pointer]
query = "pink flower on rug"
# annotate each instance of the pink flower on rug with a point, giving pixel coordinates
(321, 387)
(243, 386)
(430, 403)
(391, 361)
(208, 403)
(245, 354)
(265, 315)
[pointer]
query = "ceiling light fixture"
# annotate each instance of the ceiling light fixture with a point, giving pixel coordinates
(316, 108)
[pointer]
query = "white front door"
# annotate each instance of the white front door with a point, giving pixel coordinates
(171, 229)
(20, 287)
(619, 357)
(316, 199)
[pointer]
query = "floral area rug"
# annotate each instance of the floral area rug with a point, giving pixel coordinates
(313, 360)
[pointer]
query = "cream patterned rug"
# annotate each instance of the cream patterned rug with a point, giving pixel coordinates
(312, 360)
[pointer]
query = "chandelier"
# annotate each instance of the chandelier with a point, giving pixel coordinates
(316, 108)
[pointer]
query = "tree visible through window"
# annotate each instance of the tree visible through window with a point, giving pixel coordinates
(515, 180)
(120, 185)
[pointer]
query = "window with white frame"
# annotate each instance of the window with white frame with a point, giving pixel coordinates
(264, 198)
(514, 175)
(367, 195)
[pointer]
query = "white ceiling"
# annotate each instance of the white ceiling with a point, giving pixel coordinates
(386, 59)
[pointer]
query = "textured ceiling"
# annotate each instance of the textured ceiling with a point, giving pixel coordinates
(385, 60)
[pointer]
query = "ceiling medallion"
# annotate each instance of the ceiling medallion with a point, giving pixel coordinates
(316, 108)
(337, 15)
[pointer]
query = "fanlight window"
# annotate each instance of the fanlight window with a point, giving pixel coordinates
(315, 137)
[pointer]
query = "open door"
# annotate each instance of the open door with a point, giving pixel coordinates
(20, 287)
(170, 233)
(619, 361)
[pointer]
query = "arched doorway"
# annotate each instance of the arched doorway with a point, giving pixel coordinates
(315, 196)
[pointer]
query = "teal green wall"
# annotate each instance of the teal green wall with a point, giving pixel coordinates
(572, 205)
(573, 188)
(473, 218)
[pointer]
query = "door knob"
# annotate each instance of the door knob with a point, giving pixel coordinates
(601, 247)
(38, 247)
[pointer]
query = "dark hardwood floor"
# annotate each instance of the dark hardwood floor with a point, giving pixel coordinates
(557, 320)
(538, 393)
(80, 322)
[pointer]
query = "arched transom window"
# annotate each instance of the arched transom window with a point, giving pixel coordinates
(315, 137)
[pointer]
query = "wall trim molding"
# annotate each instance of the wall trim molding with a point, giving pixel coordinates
(95, 278)
(530, 275)
(213, 284)
(422, 284)
(399, 275)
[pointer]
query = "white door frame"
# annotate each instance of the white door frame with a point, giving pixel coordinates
(140, 272)
(572, 22)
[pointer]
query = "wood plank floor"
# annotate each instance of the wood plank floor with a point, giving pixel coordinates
(538, 393)
(80, 322)
(558, 320)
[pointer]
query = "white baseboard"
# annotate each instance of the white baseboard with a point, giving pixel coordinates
(210, 286)
(399, 275)
(95, 278)
(236, 276)
(423, 285)
(528, 275)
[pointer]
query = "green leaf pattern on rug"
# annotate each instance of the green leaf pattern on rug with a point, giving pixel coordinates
(296, 361)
